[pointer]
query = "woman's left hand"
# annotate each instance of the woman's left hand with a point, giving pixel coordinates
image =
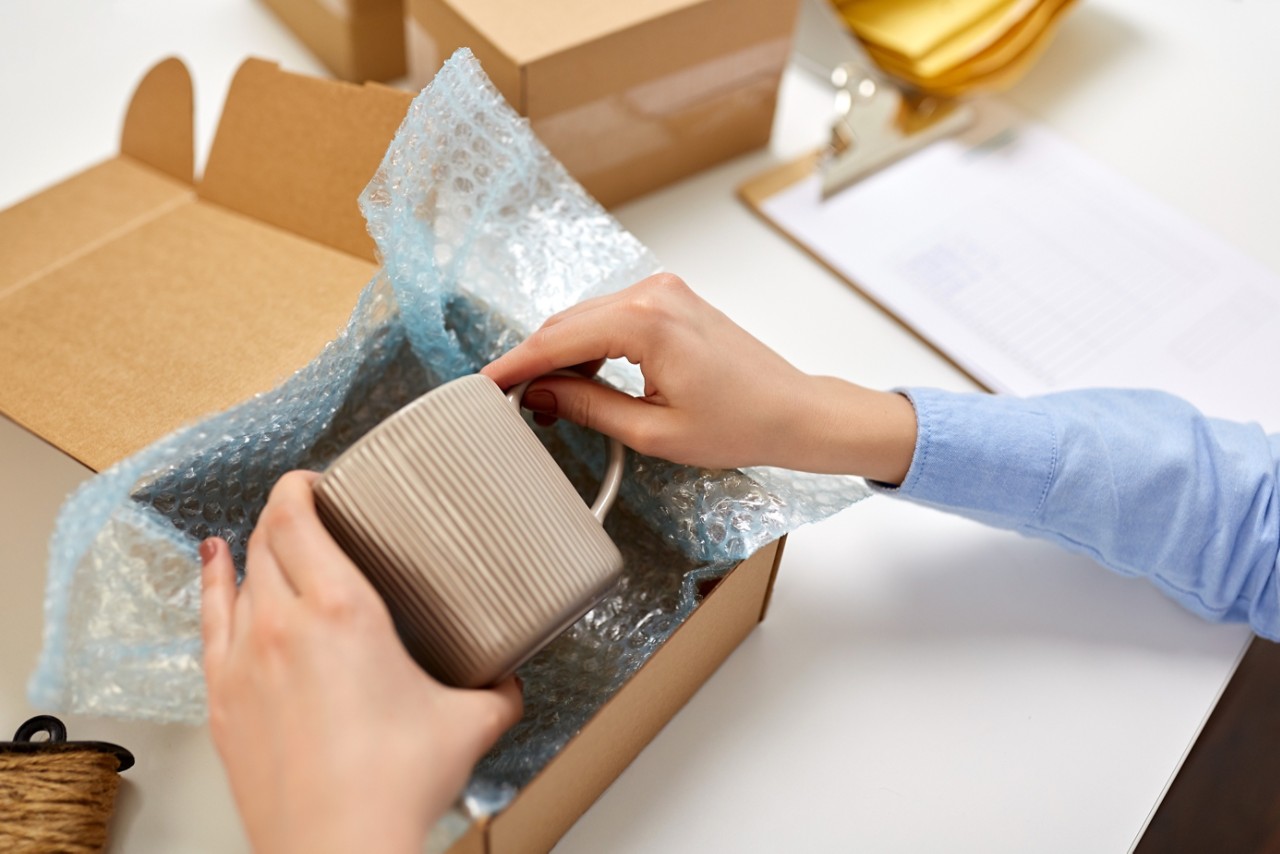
(332, 737)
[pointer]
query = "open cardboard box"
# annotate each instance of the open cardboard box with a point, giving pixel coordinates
(132, 277)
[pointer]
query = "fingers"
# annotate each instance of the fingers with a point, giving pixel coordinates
(636, 423)
(550, 349)
(609, 332)
(594, 303)
(217, 600)
(588, 369)
(661, 285)
(579, 308)
(509, 696)
(627, 323)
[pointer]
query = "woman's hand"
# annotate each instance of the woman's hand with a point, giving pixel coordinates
(332, 737)
(714, 395)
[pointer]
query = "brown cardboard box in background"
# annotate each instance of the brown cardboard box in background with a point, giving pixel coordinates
(357, 40)
(628, 96)
(134, 299)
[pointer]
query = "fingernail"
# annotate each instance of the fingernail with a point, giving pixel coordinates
(540, 400)
(208, 550)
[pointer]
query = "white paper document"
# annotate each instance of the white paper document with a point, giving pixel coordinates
(1037, 269)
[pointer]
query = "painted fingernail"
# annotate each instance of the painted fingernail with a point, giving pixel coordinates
(208, 550)
(540, 400)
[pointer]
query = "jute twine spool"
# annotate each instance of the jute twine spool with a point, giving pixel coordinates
(57, 795)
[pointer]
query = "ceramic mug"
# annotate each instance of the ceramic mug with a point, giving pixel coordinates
(474, 537)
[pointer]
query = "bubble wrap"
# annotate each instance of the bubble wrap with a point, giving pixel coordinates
(482, 235)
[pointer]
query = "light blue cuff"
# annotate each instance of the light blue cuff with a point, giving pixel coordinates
(990, 456)
(1139, 480)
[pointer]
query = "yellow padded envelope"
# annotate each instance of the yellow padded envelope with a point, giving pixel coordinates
(949, 47)
(916, 29)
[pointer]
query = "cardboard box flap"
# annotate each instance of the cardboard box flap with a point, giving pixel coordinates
(159, 125)
(153, 173)
(69, 219)
(129, 306)
(296, 151)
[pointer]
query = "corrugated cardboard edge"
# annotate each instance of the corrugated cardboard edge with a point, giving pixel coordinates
(159, 125)
(549, 805)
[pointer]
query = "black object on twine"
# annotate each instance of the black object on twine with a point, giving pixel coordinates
(57, 741)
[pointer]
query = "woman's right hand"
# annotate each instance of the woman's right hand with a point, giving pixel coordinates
(714, 396)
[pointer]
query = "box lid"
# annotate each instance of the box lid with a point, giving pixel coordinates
(133, 303)
(574, 52)
(526, 32)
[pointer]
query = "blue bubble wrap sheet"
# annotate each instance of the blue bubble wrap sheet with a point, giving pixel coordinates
(482, 235)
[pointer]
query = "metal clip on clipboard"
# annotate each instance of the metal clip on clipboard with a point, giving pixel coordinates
(878, 120)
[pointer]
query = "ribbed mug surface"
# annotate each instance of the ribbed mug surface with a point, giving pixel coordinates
(474, 537)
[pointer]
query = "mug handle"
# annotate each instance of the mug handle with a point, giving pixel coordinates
(611, 483)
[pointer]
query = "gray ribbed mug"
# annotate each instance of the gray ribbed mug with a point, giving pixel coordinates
(474, 537)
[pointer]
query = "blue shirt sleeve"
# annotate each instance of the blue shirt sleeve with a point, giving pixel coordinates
(1139, 480)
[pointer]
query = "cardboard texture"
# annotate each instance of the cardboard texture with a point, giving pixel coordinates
(134, 300)
(630, 97)
(357, 40)
(128, 279)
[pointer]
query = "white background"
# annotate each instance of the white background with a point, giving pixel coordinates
(921, 683)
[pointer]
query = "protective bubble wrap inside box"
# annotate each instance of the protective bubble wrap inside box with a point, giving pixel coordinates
(481, 235)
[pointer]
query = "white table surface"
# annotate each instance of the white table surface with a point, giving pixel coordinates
(921, 683)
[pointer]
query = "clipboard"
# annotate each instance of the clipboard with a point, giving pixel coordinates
(877, 124)
(756, 191)
(1032, 268)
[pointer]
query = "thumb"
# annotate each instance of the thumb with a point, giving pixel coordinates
(483, 715)
(594, 406)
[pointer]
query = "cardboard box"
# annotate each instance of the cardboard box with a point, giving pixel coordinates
(628, 96)
(134, 299)
(357, 40)
(130, 277)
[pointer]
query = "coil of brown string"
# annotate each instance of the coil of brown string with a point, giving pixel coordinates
(57, 795)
